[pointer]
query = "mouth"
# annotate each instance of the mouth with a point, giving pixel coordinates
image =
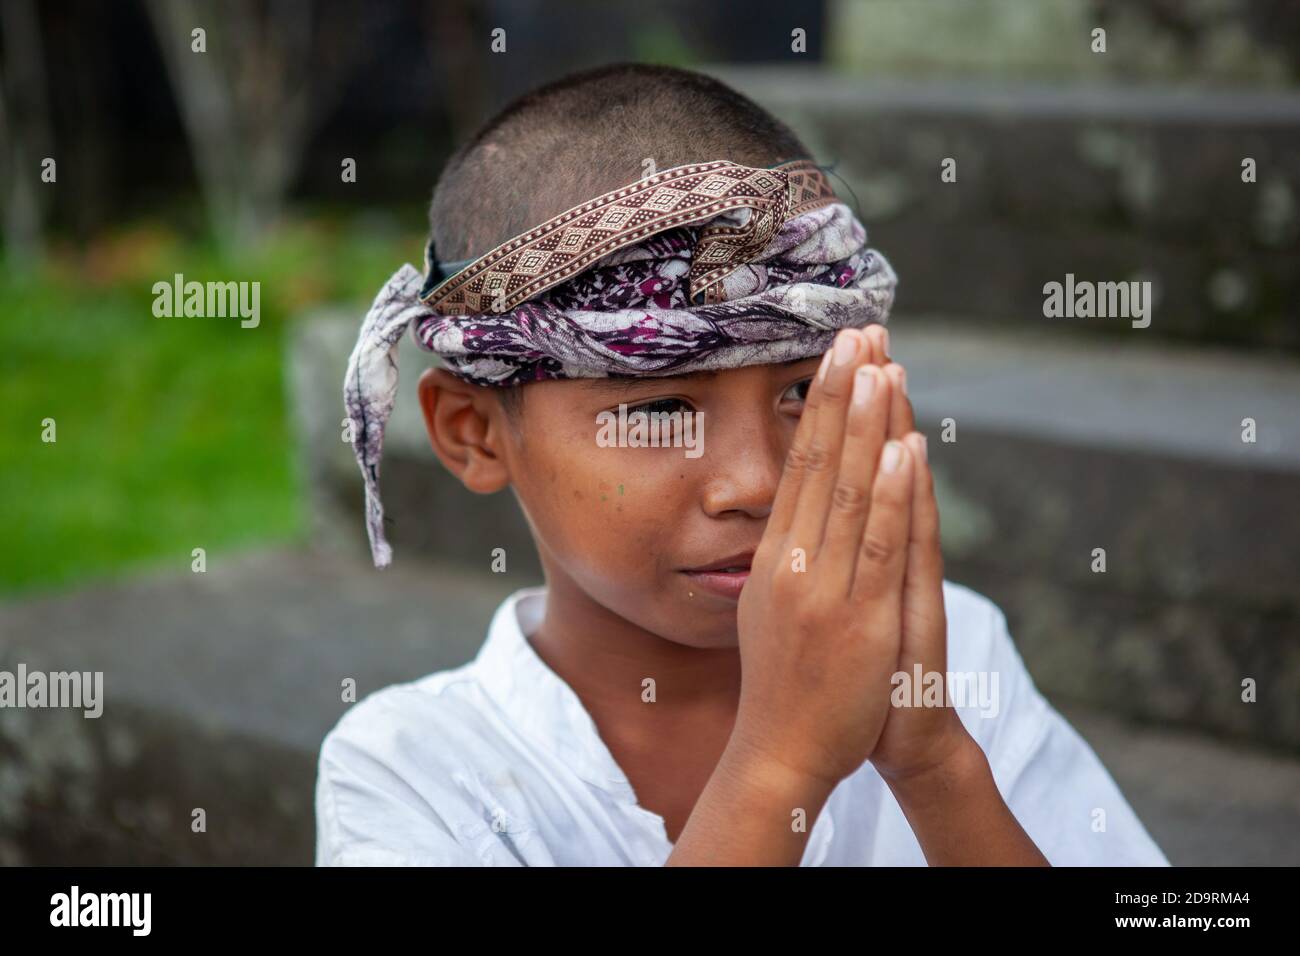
(725, 577)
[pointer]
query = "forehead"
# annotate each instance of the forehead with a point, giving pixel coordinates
(616, 384)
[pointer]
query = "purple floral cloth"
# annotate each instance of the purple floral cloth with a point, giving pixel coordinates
(629, 314)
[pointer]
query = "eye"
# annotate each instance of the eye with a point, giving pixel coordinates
(661, 406)
(798, 392)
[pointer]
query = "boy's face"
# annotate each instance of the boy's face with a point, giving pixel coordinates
(633, 528)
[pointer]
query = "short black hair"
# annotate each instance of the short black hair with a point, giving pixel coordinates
(511, 398)
(586, 134)
(583, 135)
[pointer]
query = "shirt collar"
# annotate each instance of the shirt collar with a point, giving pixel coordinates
(547, 711)
(540, 704)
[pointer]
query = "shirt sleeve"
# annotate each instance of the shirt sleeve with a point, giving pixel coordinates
(370, 813)
(1051, 779)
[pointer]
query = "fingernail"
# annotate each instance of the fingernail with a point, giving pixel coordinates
(902, 379)
(826, 361)
(884, 340)
(846, 346)
(891, 457)
(925, 448)
(864, 383)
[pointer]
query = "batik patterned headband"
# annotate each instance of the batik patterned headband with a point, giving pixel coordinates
(701, 267)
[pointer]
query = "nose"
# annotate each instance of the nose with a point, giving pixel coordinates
(745, 463)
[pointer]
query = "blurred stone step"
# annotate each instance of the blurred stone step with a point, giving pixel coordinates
(1062, 447)
(218, 689)
(1203, 802)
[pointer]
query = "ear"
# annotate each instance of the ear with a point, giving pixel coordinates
(466, 429)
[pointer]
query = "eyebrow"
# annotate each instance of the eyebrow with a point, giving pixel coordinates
(625, 383)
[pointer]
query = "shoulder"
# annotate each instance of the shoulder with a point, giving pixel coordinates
(412, 772)
(1050, 777)
(1004, 710)
(977, 629)
(968, 602)
(391, 718)
(394, 778)
(419, 733)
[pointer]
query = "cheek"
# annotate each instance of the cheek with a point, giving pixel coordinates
(604, 509)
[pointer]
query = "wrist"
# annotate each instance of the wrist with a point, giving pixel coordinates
(956, 766)
(751, 766)
(958, 814)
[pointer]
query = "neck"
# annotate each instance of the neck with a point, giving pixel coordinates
(606, 658)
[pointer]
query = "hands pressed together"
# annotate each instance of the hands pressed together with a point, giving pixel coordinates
(846, 588)
(845, 591)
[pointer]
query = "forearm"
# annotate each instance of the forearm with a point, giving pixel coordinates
(959, 817)
(747, 816)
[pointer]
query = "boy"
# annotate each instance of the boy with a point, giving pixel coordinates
(746, 656)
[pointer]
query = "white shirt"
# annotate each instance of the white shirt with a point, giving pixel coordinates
(497, 763)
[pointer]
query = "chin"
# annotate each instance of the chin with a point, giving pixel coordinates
(713, 631)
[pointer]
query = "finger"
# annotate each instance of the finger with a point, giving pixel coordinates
(868, 350)
(901, 421)
(864, 437)
(882, 554)
(878, 335)
(925, 636)
(821, 457)
(787, 492)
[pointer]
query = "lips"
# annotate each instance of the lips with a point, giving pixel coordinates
(724, 577)
(740, 561)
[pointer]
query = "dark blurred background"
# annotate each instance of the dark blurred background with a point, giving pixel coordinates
(1174, 449)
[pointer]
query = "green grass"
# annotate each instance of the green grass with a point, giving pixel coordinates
(172, 433)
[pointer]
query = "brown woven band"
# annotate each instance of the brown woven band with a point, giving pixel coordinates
(564, 246)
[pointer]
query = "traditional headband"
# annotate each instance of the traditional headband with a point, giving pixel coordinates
(564, 246)
(707, 266)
